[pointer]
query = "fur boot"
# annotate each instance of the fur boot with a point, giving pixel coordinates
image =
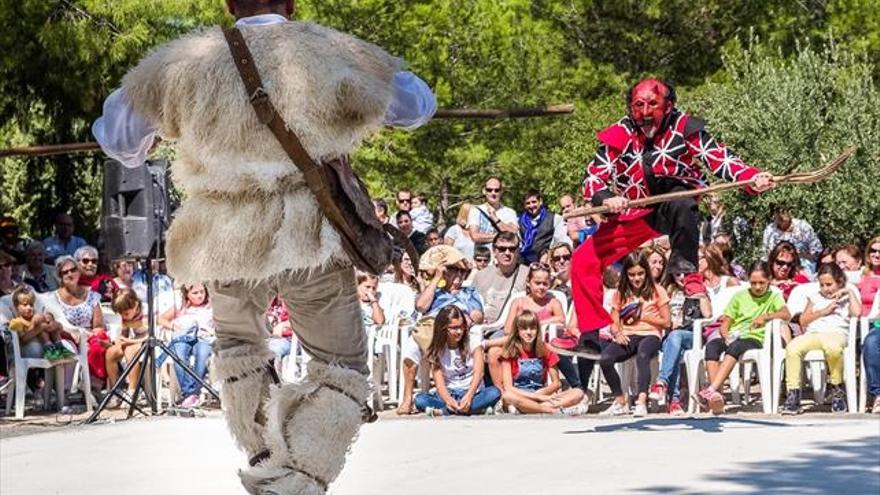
(245, 375)
(310, 428)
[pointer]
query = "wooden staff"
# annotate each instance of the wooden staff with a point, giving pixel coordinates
(443, 113)
(793, 178)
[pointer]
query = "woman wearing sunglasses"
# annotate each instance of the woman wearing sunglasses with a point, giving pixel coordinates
(785, 265)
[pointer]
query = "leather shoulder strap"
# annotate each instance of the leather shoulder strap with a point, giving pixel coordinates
(266, 112)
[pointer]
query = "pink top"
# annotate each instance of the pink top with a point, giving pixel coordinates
(868, 288)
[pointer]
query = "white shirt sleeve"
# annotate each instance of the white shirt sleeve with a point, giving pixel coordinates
(123, 133)
(413, 103)
(560, 230)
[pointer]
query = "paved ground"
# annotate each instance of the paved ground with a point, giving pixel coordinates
(508, 455)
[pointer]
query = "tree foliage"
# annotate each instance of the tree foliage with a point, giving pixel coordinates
(60, 59)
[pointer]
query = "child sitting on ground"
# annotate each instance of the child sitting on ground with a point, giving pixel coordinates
(742, 329)
(134, 331)
(527, 363)
(37, 329)
(826, 323)
(457, 369)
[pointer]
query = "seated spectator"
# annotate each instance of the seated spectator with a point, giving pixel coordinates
(482, 257)
(786, 268)
(526, 366)
(825, 321)
(538, 301)
(447, 270)
(683, 310)
(35, 272)
(127, 304)
(871, 357)
(422, 219)
(123, 273)
(539, 228)
(798, 233)
(492, 217)
(63, 242)
(39, 334)
(163, 286)
(8, 283)
(560, 265)
(381, 208)
(404, 203)
(368, 295)
(87, 259)
(827, 256)
(725, 245)
(573, 226)
(639, 316)
(849, 258)
(456, 363)
(869, 285)
(404, 223)
(193, 335)
(404, 272)
(280, 342)
(82, 308)
(458, 235)
(715, 270)
(10, 241)
(657, 262)
(432, 238)
(742, 329)
(496, 283)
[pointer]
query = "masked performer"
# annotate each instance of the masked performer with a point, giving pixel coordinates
(652, 150)
(252, 229)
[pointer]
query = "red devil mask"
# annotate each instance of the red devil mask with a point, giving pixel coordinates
(650, 101)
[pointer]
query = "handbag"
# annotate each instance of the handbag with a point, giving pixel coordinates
(423, 333)
(341, 195)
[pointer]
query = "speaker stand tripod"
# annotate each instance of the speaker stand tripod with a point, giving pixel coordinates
(147, 353)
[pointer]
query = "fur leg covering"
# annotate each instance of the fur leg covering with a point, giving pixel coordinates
(311, 425)
(245, 375)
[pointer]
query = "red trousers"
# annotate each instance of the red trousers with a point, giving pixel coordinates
(613, 241)
(96, 355)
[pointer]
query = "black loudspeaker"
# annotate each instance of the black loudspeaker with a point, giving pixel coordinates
(135, 208)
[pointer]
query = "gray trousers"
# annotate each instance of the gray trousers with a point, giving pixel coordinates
(324, 313)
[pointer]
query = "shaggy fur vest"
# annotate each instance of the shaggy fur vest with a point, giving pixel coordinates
(247, 213)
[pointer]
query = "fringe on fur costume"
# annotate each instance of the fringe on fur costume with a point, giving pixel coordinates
(310, 427)
(248, 214)
(244, 373)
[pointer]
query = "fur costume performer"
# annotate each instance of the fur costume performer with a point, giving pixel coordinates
(252, 230)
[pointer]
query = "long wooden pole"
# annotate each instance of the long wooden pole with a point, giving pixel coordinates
(441, 114)
(794, 178)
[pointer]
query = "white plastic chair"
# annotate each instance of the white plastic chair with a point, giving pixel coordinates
(695, 358)
(398, 303)
(814, 361)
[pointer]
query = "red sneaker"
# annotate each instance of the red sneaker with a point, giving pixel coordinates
(674, 408)
(566, 342)
(658, 393)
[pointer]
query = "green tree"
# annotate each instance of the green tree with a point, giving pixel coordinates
(793, 114)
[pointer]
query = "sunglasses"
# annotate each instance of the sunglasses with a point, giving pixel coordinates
(89, 261)
(404, 200)
(505, 249)
(539, 266)
(481, 260)
(786, 264)
(564, 257)
(874, 251)
(69, 271)
(492, 189)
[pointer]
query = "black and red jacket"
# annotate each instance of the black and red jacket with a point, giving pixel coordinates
(630, 165)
